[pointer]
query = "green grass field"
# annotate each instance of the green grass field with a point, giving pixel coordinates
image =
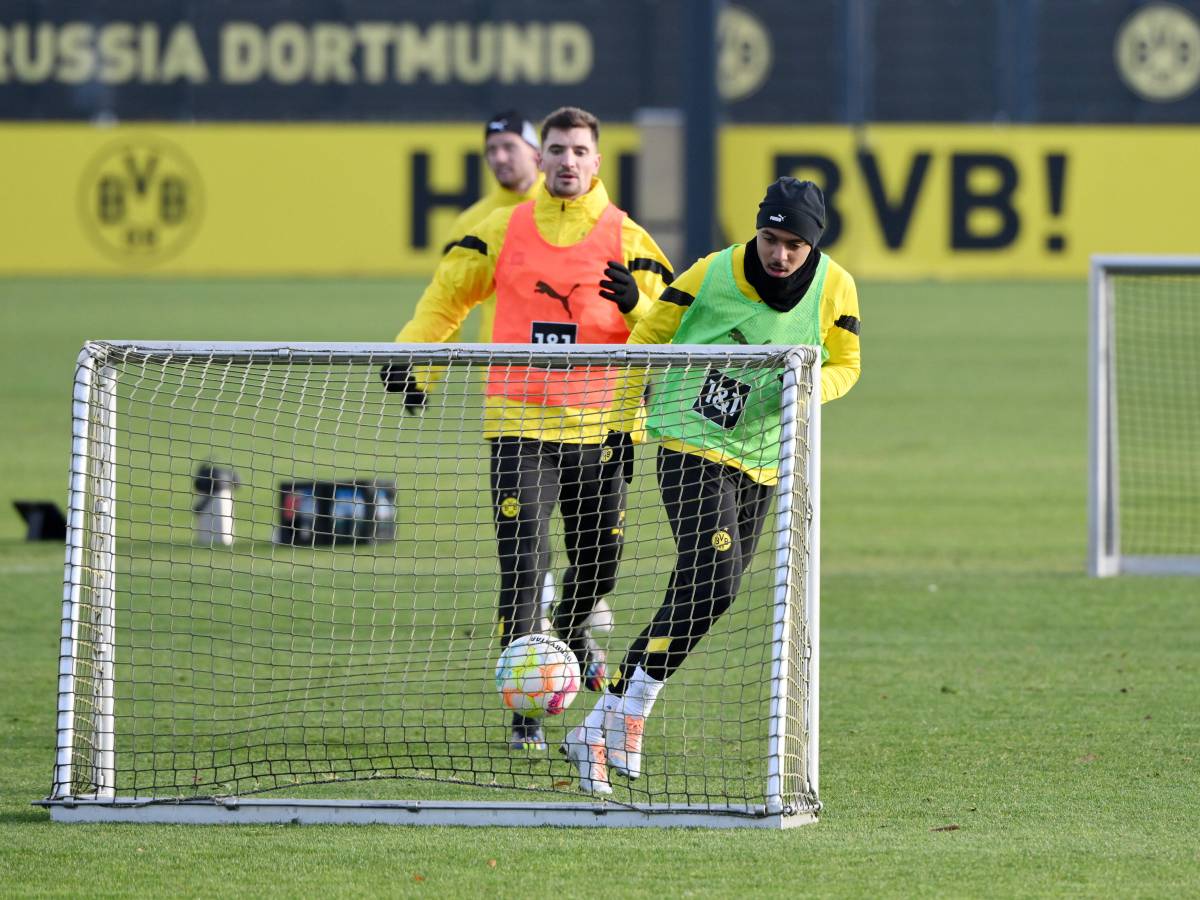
(994, 723)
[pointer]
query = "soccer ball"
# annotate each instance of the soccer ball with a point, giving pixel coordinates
(537, 675)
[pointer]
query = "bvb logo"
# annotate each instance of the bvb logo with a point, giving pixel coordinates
(509, 507)
(141, 201)
(744, 54)
(1158, 52)
(721, 540)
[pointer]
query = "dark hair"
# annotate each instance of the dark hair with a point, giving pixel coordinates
(568, 117)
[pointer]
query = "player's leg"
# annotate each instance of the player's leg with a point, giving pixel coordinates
(592, 501)
(546, 604)
(593, 507)
(701, 501)
(585, 748)
(524, 490)
(753, 504)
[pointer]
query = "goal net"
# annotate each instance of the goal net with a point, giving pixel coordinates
(1144, 497)
(281, 594)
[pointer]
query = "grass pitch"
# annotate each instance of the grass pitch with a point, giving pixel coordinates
(993, 722)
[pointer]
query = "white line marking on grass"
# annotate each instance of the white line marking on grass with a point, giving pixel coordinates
(28, 568)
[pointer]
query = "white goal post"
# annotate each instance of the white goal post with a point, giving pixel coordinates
(280, 594)
(1144, 422)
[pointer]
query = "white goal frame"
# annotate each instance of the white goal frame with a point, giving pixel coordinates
(1105, 557)
(90, 566)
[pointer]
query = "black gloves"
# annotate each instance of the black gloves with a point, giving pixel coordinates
(616, 455)
(619, 287)
(398, 379)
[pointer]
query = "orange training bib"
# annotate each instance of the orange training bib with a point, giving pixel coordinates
(551, 295)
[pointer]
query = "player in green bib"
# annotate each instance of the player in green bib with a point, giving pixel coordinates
(718, 437)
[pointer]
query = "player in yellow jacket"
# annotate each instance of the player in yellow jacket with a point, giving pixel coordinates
(566, 267)
(718, 437)
(511, 151)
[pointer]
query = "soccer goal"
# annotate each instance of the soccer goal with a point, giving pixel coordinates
(1144, 461)
(281, 588)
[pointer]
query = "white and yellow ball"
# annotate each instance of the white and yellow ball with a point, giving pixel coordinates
(537, 676)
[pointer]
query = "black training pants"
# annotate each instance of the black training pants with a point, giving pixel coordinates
(716, 514)
(530, 477)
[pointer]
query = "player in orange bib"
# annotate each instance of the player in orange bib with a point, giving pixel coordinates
(567, 267)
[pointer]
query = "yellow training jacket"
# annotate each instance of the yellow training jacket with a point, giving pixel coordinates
(466, 277)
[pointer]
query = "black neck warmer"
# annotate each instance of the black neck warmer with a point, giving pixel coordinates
(781, 294)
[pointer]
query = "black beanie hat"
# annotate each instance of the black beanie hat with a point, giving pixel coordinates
(515, 123)
(795, 206)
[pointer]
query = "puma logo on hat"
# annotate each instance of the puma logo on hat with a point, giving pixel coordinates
(796, 206)
(515, 123)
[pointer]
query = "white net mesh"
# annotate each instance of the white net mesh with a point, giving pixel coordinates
(282, 581)
(1156, 335)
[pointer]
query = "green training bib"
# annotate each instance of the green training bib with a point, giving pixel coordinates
(734, 411)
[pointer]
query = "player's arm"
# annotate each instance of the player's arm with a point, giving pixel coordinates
(657, 326)
(461, 225)
(663, 314)
(640, 277)
(840, 325)
(459, 229)
(464, 278)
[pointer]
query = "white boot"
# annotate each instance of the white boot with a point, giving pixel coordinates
(623, 740)
(591, 759)
(625, 722)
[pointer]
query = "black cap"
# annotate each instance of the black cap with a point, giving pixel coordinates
(795, 206)
(514, 123)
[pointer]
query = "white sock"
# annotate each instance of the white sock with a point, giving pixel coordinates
(593, 725)
(641, 692)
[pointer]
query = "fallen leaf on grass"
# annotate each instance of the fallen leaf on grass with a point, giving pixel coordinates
(418, 878)
(491, 864)
(946, 828)
(562, 784)
(1087, 758)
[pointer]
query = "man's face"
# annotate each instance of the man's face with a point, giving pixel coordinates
(570, 161)
(512, 161)
(781, 252)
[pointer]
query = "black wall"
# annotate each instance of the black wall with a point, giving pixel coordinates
(830, 61)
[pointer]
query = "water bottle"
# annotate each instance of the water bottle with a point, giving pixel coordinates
(214, 505)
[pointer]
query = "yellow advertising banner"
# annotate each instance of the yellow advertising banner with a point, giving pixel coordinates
(241, 199)
(919, 201)
(907, 201)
